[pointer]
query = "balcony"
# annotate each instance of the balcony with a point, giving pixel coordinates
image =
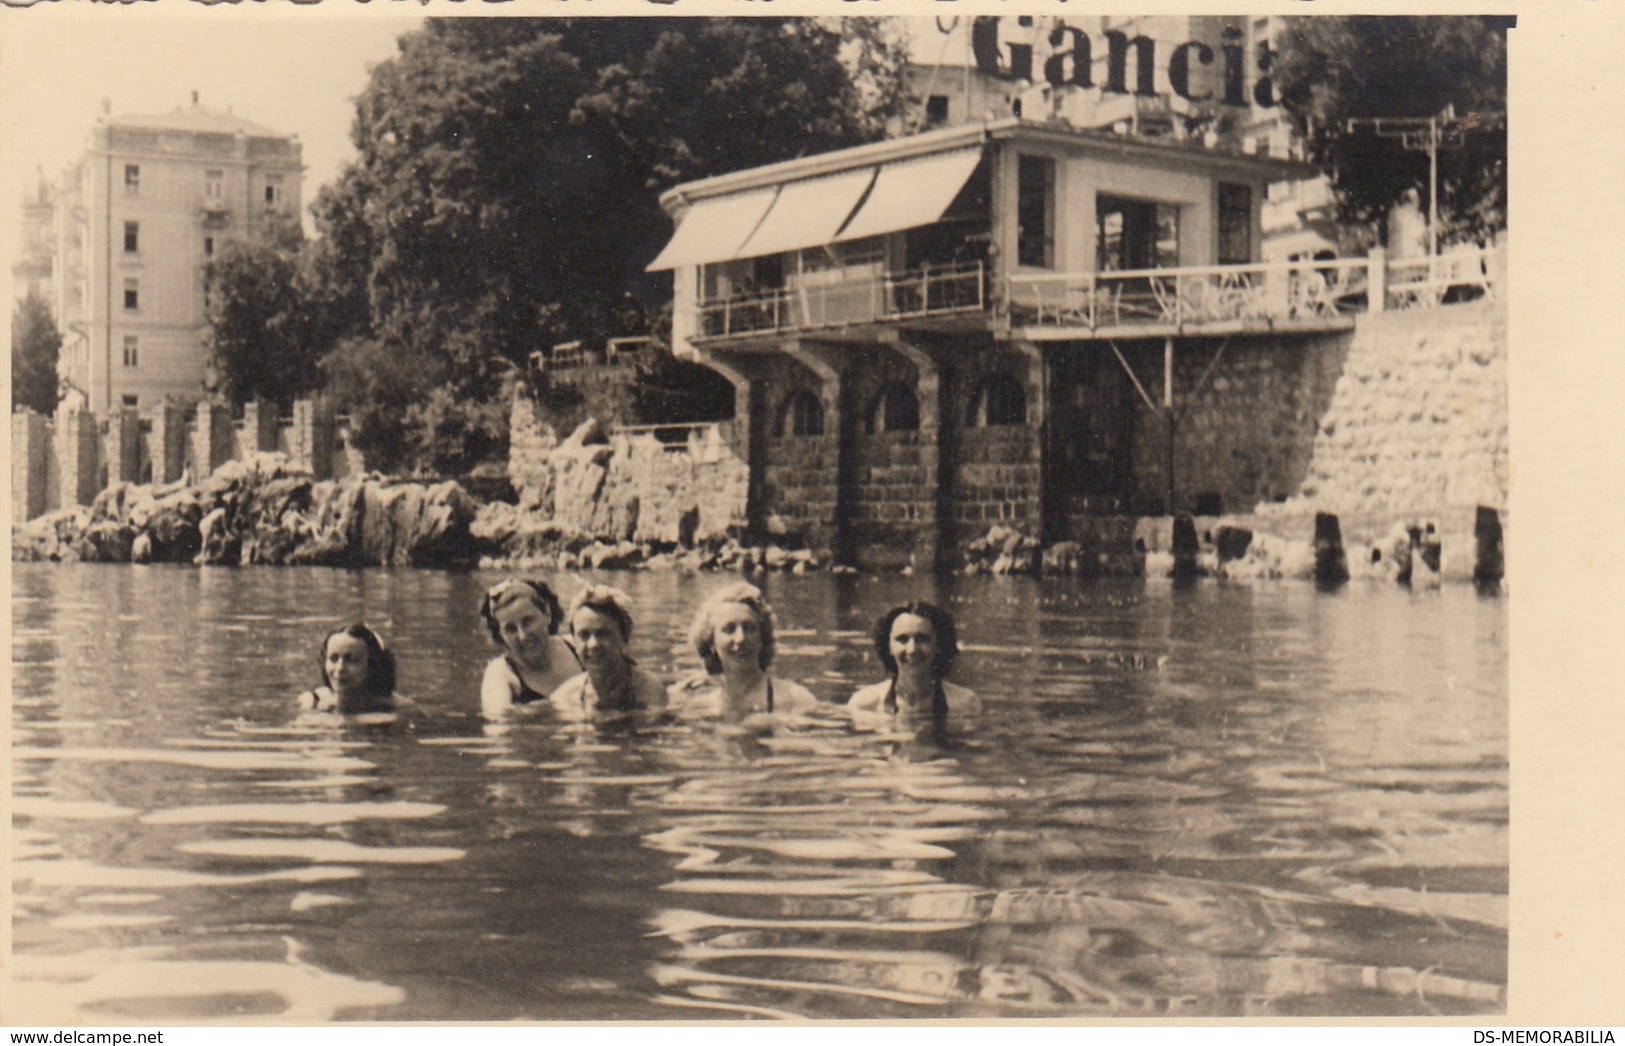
(1215, 299)
(918, 294)
(1222, 299)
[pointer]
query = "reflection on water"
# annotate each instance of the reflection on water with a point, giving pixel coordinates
(1221, 800)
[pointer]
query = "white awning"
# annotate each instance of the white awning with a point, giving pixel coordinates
(912, 193)
(713, 230)
(808, 213)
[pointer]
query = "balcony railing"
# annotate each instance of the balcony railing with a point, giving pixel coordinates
(921, 293)
(1246, 294)
(1183, 297)
(1252, 295)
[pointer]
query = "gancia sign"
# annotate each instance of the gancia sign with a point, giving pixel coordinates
(1069, 62)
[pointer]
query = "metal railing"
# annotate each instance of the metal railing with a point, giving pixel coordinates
(673, 438)
(1305, 292)
(1455, 276)
(915, 294)
(1180, 297)
(1219, 294)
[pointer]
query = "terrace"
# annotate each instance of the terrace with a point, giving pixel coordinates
(1213, 299)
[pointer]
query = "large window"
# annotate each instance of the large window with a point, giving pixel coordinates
(132, 349)
(1136, 234)
(132, 237)
(132, 179)
(1035, 212)
(214, 185)
(1235, 224)
(132, 294)
(273, 191)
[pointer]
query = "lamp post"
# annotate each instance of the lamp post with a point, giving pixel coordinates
(1431, 133)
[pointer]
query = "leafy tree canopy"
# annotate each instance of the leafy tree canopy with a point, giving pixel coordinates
(263, 336)
(1330, 70)
(35, 345)
(506, 194)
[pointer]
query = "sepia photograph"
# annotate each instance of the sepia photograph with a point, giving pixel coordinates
(982, 514)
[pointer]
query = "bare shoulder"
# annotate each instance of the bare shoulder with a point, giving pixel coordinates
(961, 699)
(651, 692)
(871, 698)
(317, 700)
(789, 696)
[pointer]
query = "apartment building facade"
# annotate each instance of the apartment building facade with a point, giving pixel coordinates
(136, 219)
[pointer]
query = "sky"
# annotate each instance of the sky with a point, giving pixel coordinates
(294, 70)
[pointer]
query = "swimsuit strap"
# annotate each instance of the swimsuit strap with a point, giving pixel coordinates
(526, 695)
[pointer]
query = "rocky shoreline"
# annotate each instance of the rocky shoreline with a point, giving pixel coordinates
(264, 511)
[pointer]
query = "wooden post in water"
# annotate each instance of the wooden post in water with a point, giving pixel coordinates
(1168, 411)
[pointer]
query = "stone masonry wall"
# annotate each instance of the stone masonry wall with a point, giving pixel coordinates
(800, 481)
(68, 460)
(995, 471)
(1418, 419)
(627, 488)
(1406, 414)
(1245, 434)
(892, 503)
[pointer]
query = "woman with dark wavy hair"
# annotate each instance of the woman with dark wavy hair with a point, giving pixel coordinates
(917, 644)
(358, 673)
(733, 632)
(523, 618)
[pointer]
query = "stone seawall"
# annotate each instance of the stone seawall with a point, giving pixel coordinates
(622, 487)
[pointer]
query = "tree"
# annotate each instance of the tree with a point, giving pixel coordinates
(506, 197)
(1333, 69)
(35, 345)
(262, 337)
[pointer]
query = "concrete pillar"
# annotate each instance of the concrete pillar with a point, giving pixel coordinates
(259, 426)
(168, 443)
(124, 446)
(934, 543)
(30, 467)
(1376, 294)
(1331, 563)
(310, 443)
(212, 439)
(825, 362)
(76, 446)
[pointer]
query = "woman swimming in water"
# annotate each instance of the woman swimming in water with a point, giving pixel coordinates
(523, 618)
(917, 644)
(600, 620)
(733, 633)
(358, 674)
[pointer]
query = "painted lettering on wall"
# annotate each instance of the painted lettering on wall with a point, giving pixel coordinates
(1070, 62)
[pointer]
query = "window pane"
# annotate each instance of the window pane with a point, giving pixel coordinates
(1035, 211)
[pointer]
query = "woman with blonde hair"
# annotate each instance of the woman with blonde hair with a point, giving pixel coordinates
(733, 632)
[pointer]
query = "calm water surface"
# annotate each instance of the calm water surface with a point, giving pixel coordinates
(1216, 800)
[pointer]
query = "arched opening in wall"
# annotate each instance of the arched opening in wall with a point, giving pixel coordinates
(895, 409)
(801, 414)
(1000, 400)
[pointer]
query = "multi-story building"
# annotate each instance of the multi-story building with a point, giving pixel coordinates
(33, 272)
(137, 218)
(1134, 93)
(956, 328)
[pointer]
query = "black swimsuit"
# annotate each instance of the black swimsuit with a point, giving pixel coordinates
(526, 695)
